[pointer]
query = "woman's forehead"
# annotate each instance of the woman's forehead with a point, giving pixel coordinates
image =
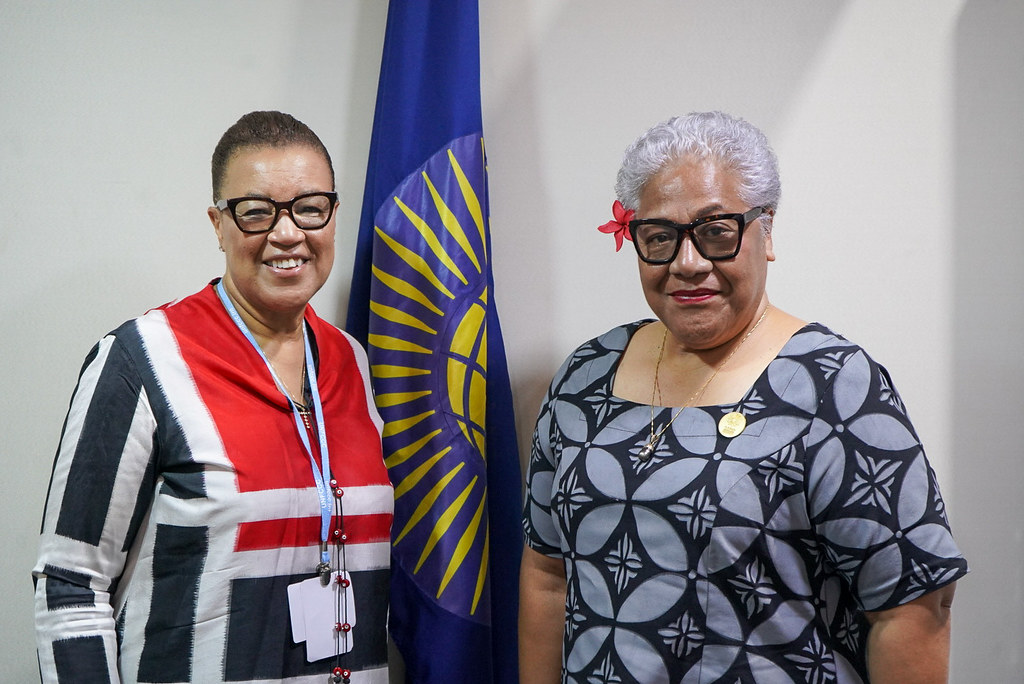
(694, 181)
(254, 164)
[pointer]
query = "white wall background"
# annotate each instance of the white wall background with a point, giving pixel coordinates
(897, 124)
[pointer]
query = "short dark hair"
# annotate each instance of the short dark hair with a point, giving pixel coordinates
(262, 129)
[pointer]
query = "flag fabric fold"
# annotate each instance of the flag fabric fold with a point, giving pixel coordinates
(422, 301)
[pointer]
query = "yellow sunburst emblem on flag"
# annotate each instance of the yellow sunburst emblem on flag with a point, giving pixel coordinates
(467, 375)
(428, 356)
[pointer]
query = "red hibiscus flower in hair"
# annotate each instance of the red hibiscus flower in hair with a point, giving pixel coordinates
(619, 227)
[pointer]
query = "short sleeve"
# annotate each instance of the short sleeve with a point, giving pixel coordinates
(539, 527)
(874, 499)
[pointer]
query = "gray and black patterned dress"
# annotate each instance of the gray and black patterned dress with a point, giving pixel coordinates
(748, 559)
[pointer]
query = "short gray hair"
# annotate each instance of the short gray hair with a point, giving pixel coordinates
(729, 141)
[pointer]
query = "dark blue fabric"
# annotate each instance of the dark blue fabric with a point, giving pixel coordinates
(81, 660)
(142, 503)
(67, 588)
(259, 611)
(98, 453)
(178, 557)
(505, 500)
(428, 101)
(427, 95)
(64, 426)
(734, 557)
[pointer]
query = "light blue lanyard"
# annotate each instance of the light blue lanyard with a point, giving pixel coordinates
(321, 474)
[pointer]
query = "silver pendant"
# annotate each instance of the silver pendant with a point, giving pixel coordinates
(324, 570)
(646, 453)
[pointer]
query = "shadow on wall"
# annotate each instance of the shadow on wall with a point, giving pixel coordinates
(988, 316)
(597, 73)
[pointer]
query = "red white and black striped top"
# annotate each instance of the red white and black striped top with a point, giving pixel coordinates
(182, 505)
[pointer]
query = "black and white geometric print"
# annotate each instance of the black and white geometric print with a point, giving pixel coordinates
(748, 559)
(160, 559)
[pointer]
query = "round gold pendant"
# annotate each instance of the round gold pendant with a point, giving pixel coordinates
(732, 424)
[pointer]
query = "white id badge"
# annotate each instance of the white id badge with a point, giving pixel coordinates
(313, 611)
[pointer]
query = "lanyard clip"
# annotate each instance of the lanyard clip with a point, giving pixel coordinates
(323, 568)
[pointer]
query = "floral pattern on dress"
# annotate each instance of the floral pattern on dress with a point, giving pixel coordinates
(744, 559)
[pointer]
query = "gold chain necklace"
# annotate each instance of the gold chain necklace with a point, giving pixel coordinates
(648, 449)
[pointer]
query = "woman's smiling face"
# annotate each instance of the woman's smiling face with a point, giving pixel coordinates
(703, 303)
(272, 276)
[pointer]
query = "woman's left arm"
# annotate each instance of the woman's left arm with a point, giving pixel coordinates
(909, 644)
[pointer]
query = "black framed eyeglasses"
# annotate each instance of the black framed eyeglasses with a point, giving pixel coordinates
(310, 211)
(715, 237)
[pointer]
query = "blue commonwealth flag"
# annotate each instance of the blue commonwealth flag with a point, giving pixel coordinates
(422, 301)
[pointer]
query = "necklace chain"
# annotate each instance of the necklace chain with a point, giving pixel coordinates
(300, 397)
(648, 449)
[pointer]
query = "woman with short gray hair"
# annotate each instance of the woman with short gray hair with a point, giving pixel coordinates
(726, 493)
